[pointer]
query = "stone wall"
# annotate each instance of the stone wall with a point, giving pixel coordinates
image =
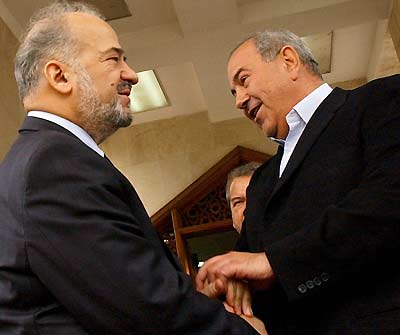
(11, 112)
(162, 158)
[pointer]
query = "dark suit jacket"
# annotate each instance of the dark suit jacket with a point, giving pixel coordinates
(330, 226)
(78, 253)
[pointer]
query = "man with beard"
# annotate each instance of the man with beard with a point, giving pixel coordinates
(320, 238)
(78, 253)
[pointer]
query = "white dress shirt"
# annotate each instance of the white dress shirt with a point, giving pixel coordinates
(71, 127)
(298, 118)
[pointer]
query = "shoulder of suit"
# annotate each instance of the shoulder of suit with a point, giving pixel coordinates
(379, 84)
(49, 143)
(262, 168)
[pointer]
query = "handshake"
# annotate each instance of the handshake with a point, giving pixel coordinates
(234, 275)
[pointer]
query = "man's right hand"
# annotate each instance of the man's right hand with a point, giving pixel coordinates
(237, 294)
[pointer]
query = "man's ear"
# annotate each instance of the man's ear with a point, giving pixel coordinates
(291, 60)
(59, 76)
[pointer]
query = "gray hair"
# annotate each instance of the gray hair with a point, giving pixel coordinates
(47, 37)
(242, 170)
(270, 42)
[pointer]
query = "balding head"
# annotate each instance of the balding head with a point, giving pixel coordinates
(48, 36)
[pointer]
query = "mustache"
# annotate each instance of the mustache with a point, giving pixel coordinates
(125, 85)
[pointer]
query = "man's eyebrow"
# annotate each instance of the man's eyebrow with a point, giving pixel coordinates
(235, 79)
(237, 198)
(236, 75)
(119, 51)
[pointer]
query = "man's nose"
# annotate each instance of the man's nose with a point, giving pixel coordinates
(128, 74)
(242, 99)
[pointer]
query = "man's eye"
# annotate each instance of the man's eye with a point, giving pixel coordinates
(115, 59)
(243, 79)
(236, 203)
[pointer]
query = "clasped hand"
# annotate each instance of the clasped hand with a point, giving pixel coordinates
(237, 294)
(228, 274)
(239, 266)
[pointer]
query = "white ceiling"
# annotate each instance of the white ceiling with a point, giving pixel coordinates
(187, 41)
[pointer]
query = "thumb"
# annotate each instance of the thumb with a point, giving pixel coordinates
(214, 289)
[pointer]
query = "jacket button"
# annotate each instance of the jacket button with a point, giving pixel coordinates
(302, 288)
(317, 281)
(310, 284)
(324, 277)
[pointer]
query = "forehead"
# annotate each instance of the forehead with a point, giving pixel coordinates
(244, 57)
(239, 184)
(93, 33)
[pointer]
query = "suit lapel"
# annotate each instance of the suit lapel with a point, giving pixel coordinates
(318, 122)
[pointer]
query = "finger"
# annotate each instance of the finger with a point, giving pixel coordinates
(220, 285)
(246, 302)
(208, 289)
(210, 270)
(215, 288)
(230, 294)
(204, 276)
(234, 296)
(228, 308)
(200, 278)
(239, 291)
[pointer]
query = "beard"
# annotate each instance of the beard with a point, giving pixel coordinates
(99, 119)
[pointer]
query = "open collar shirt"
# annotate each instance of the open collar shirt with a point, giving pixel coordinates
(298, 118)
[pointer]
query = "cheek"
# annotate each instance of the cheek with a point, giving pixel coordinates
(238, 212)
(109, 90)
(235, 212)
(253, 89)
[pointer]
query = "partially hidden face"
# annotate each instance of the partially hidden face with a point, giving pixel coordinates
(238, 200)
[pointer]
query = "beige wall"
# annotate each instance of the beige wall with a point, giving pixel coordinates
(394, 25)
(161, 158)
(11, 113)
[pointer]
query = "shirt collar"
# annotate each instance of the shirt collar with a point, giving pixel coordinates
(278, 141)
(71, 127)
(306, 107)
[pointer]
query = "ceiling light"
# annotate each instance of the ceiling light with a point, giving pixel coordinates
(147, 93)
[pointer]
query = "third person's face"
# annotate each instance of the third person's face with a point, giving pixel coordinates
(237, 203)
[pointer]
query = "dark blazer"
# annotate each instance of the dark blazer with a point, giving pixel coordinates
(78, 253)
(330, 226)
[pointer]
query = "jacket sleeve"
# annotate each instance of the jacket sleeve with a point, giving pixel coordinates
(92, 245)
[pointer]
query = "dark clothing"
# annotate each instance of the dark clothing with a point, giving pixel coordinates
(78, 253)
(330, 226)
